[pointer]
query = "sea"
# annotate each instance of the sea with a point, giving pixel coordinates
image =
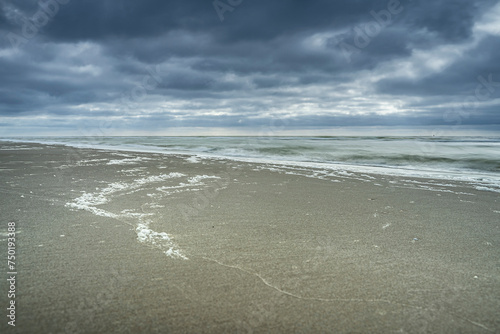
(471, 159)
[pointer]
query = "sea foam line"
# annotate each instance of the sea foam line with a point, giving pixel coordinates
(161, 240)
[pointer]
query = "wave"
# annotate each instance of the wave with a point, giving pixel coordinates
(467, 155)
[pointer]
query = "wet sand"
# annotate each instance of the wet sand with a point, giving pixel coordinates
(236, 247)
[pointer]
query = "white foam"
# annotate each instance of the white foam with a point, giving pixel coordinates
(132, 171)
(175, 253)
(198, 178)
(90, 202)
(424, 187)
(194, 159)
(487, 181)
(86, 162)
(127, 161)
(144, 233)
(158, 239)
(488, 189)
(92, 209)
(479, 181)
(158, 178)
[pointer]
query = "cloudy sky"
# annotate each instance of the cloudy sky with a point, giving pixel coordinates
(173, 67)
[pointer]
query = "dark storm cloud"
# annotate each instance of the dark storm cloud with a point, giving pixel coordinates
(263, 20)
(313, 63)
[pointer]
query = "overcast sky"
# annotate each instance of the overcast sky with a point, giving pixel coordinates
(171, 67)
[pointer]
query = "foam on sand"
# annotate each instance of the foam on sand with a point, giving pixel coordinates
(90, 202)
(127, 161)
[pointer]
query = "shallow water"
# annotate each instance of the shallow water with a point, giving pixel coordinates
(474, 159)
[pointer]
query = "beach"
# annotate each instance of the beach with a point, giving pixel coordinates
(127, 242)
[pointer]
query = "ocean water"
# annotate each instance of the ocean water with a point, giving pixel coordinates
(472, 159)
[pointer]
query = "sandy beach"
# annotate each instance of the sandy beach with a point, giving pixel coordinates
(128, 242)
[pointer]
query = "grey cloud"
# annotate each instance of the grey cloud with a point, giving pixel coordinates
(459, 79)
(267, 59)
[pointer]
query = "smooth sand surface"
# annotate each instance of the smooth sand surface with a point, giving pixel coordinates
(268, 251)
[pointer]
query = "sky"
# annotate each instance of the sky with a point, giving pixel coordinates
(243, 67)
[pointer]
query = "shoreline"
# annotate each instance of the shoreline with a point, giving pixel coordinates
(267, 250)
(483, 180)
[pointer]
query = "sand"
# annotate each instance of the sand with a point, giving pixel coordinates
(237, 247)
